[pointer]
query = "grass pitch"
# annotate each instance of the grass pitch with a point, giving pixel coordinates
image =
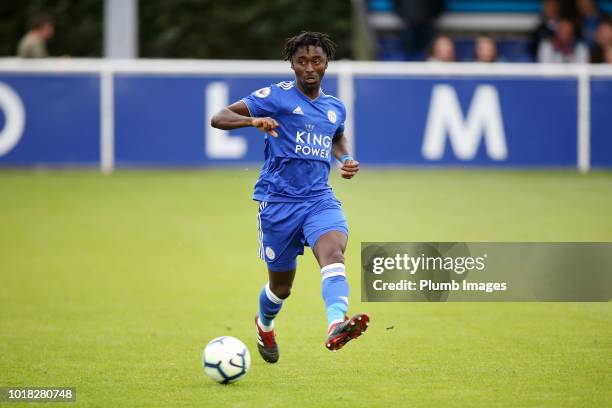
(114, 284)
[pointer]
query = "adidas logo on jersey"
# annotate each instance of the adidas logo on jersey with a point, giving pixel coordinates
(298, 111)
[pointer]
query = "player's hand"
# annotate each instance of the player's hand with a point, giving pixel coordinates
(266, 125)
(349, 169)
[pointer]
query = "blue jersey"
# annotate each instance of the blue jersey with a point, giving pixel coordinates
(297, 162)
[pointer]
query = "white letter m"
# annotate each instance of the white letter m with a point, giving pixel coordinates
(483, 119)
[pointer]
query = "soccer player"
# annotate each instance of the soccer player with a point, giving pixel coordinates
(296, 204)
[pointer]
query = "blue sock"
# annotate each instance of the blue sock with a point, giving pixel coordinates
(335, 292)
(269, 306)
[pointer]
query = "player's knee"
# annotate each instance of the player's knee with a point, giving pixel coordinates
(333, 256)
(281, 290)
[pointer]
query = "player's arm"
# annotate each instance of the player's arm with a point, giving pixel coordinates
(237, 115)
(350, 166)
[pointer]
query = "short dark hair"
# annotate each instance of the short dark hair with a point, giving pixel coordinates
(306, 38)
(40, 20)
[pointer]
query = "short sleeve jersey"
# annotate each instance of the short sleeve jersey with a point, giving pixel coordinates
(298, 161)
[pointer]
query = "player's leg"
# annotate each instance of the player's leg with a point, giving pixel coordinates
(280, 241)
(327, 232)
(271, 299)
(272, 296)
(329, 251)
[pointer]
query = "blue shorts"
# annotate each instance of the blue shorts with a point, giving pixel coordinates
(285, 228)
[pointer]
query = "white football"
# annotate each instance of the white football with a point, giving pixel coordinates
(226, 359)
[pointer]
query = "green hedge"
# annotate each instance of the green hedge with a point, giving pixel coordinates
(78, 31)
(237, 29)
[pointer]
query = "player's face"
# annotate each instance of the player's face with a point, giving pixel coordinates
(309, 64)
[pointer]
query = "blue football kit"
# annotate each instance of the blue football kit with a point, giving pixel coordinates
(297, 205)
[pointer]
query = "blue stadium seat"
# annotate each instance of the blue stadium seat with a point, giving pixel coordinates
(509, 6)
(509, 50)
(484, 6)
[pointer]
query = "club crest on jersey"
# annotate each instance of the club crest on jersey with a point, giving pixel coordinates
(331, 115)
(270, 253)
(263, 92)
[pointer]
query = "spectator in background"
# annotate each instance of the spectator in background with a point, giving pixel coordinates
(419, 17)
(603, 42)
(34, 43)
(442, 50)
(608, 55)
(485, 49)
(547, 27)
(563, 47)
(589, 17)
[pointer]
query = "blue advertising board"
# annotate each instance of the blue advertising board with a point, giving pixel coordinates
(478, 121)
(61, 119)
(601, 122)
(162, 119)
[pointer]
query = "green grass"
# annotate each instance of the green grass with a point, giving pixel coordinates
(114, 284)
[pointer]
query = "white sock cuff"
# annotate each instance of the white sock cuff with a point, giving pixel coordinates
(270, 295)
(335, 269)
